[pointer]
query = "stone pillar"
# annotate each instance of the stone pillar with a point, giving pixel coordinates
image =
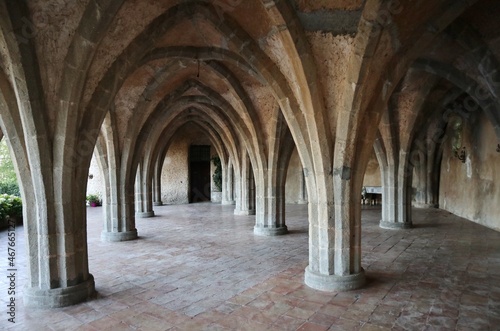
(427, 178)
(118, 206)
(157, 183)
(420, 180)
(119, 223)
(143, 194)
(54, 213)
(147, 194)
(334, 233)
(245, 204)
(57, 274)
(230, 184)
(396, 197)
(223, 194)
(227, 185)
(432, 179)
(424, 195)
(270, 209)
(237, 192)
(302, 189)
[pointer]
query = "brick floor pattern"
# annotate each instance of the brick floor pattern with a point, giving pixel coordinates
(199, 267)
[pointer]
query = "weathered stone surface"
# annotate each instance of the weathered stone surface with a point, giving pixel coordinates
(293, 96)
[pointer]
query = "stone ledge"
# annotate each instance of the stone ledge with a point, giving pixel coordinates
(333, 282)
(395, 226)
(118, 236)
(59, 297)
(262, 231)
(158, 203)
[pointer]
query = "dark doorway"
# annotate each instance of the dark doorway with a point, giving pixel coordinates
(199, 173)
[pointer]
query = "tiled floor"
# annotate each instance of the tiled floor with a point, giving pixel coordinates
(198, 267)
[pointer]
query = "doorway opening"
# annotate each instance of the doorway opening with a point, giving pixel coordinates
(199, 173)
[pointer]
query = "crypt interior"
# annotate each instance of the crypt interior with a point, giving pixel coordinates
(262, 165)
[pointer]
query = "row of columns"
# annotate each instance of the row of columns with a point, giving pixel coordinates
(238, 189)
(148, 194)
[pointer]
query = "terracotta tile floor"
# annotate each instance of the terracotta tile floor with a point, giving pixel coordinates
(198, 267)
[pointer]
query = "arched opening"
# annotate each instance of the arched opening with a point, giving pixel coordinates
(11, 206)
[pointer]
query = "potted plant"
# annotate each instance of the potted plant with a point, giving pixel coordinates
(93, 200)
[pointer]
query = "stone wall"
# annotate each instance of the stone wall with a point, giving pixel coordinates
(175, 171)
(472, 189)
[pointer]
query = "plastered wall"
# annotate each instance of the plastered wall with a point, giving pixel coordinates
(472, 189)
(175, 171)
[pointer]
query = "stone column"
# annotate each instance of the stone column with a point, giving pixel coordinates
(334, 233)
(420, 181)
(118, 206)
(432, 178)
(227, 185)
(424, 192)
(143, 193)
(302, 189)
(237, 192)
(396, 198)
(245, 202)
(270, 211)
(157, 183)
(57, 271)
(119, 223)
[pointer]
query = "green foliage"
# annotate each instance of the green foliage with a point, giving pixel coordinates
(7, 172)
(217, 176)
(8, 179)
(93, 198)
(10, 206)
(10, 189)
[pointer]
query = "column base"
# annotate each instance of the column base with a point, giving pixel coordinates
(333, 282)
(263, 231)
(244, 212)
(59, 297)
(425, 205)
(118, 236)
(158, 203)
(145, 214)
(395, 226)
(216, 197)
